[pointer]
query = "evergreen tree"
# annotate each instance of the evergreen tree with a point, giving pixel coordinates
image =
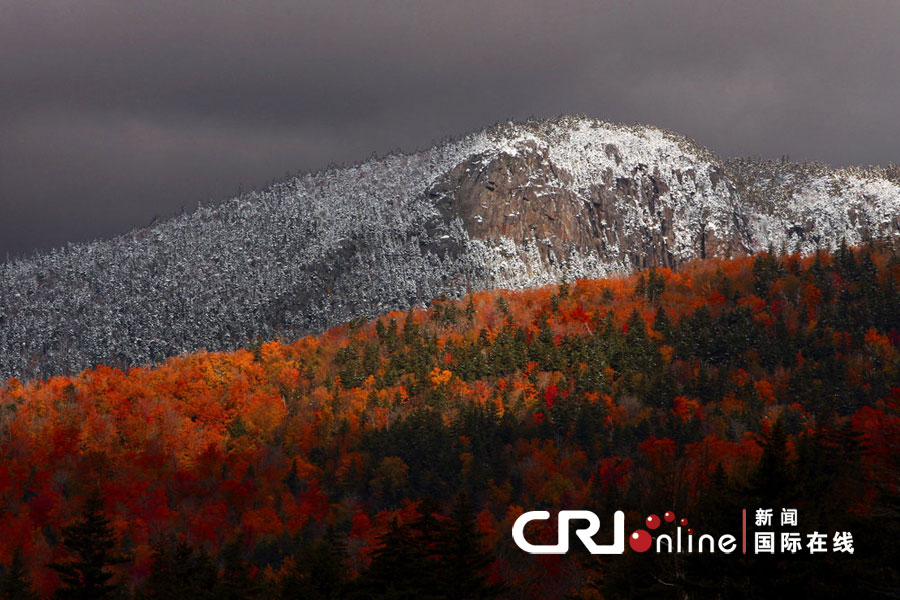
(181, 572)
(845, 260)
(766, 270)
(236, 582)
(292, 480)
(430, 558)
(464, 561)
(15, 584)
(92, 544)
(772, 483)
(318, 573)
(398, 570)
(656, 285)
(470, 312)
(662, 324)
(640, 353)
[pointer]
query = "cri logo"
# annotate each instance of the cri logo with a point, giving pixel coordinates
(639, 541)
(680, 537)
(585, 534)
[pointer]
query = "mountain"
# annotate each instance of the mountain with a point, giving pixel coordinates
(513, 206)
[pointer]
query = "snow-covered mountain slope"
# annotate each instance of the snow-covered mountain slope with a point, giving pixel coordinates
(804, 206)
(513, 206)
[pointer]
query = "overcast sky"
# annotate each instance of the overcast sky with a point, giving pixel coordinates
(114, 112)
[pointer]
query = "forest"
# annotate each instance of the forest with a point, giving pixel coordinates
(389, 458)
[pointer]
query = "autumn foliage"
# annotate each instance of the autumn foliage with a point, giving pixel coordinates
(654, 391)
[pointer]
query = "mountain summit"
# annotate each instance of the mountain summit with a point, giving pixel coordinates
(513, 206)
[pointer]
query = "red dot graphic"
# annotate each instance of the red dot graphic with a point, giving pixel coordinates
(690, 530)
(640, 541)
(683, 522)
(669, 516)
(652, 522)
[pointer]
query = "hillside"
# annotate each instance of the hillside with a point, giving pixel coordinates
(322, 467)
(514, 206)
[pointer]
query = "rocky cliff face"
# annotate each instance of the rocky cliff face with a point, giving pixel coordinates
(513, 206)
(620, 213)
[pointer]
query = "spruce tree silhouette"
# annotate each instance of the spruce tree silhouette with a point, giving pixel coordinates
(91, 542)
(318, 572)
(464, 561)
(431, 558)
(398, 570)
(236, 582)
(180, 571)
(15, 584)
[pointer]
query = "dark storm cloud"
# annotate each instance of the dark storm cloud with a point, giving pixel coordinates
(114, 112)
